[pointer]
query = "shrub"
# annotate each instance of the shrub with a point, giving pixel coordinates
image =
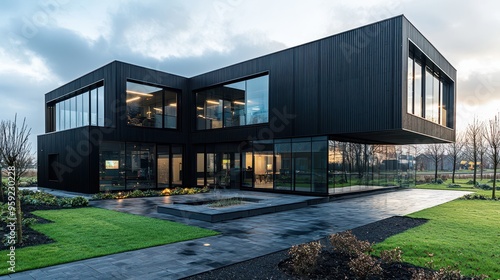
(103, 195)
(79, 201)
(454, 186)
(428, 179)
(391, 256)
(444, 273)
(364, 266)
(347, 243)
(65, 202)
(304, 257)
(135, 193)
(485, 187)
(38, 198)
(474, 196)
(29, 221)
(150, 193)
(444, 177)
(438, 181)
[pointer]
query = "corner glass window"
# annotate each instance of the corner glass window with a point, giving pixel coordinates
(429, 90)
(236, 104)
(151, 106)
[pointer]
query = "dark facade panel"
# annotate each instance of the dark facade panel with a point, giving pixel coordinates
(76, 167)
(344, 83)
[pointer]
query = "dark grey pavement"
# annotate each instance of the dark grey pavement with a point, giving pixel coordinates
(240, 239)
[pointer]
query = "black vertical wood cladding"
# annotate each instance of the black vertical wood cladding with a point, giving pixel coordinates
(351, 86)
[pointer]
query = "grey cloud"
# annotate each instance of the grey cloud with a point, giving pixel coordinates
(479, 89)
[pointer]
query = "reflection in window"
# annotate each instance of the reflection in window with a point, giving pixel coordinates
(236, 104)
(151, 106)
(284, 170)
(434, 100)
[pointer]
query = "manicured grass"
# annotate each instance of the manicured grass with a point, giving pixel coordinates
(90, 232)
(463, 186)
(463, 233)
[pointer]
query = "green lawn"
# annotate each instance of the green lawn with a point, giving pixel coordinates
(90, 232)
(463, 186)
(461, 233)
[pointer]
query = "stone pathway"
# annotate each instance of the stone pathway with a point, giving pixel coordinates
(240, 239)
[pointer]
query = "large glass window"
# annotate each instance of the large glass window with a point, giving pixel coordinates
(100, 106)
(151, 106)
(431, 96)
(429, 91)
(163, 170)
(81, 109)
(417, 90)
(177, 165)
(140, 166)
(409, 101)
(284, 170)
(93, 107)
(236, 104)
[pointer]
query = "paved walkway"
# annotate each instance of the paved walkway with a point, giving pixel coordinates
(241, 239)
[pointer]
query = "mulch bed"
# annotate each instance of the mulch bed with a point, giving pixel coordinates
(331, 265)
(31, 237)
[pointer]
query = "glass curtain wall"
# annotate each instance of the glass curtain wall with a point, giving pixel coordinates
(129, 166)
(263, 166)
(140, 166)
(163, 171)
(357, 167)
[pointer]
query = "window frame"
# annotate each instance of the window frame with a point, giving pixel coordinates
(165, 91)
(223, 125)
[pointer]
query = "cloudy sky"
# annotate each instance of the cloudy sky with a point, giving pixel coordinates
(48, 43)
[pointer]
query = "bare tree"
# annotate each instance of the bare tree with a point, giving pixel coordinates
(455, 150)
(435, 152)
(15, 151)
(492, 136)
(481, 150)
(474, 134)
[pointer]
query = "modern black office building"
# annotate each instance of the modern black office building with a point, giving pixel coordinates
(336, 114)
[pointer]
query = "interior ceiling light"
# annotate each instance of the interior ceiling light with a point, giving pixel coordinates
(239, 103)
(157, 109)
(213, 102)
(173, 104)
(199, 108)
(139, 93)
(133, 99)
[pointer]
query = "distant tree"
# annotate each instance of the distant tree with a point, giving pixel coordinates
(455, 150)
(15, 151)
(435, 151)
(474, 135)
(481, 150)
(492, 136)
